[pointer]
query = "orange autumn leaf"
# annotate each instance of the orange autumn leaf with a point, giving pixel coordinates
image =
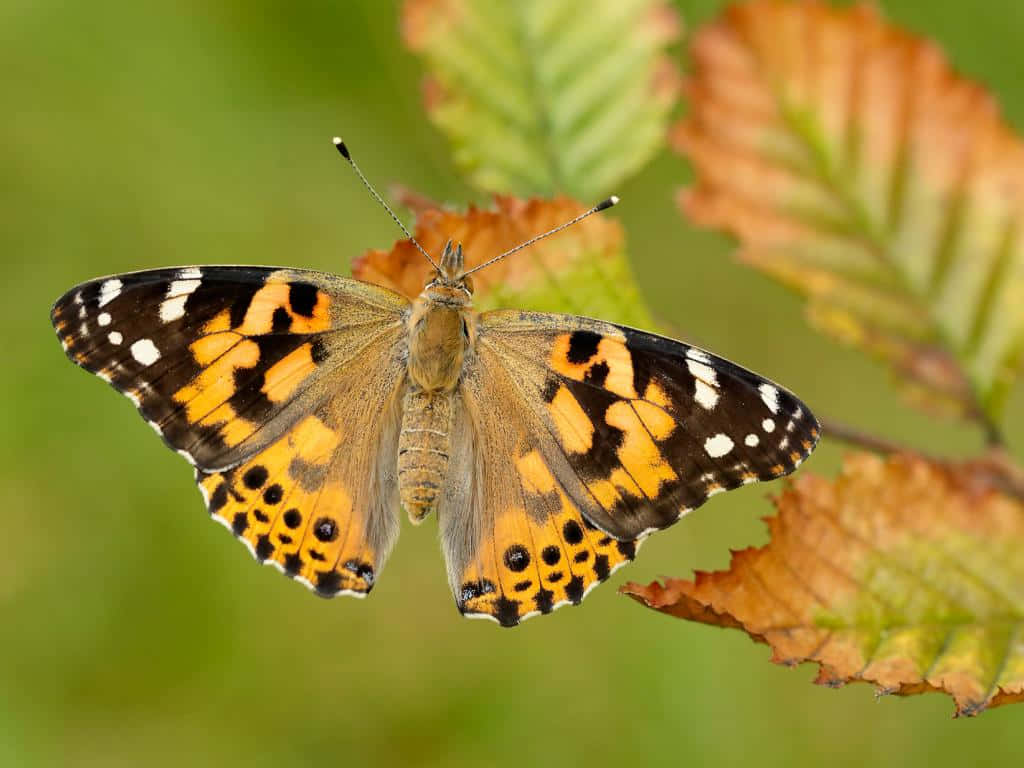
(582, 270)
(855, 166)
(901, 572)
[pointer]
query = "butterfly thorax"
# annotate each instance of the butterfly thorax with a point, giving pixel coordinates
(439, 336)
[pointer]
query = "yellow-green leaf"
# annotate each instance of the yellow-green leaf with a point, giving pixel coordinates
(540, 97)
(855, 166)
(901, 573)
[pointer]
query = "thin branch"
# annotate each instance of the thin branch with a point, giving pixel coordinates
(862, 439)
(995, 469)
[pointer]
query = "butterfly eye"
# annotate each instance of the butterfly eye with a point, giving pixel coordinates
(467, 284)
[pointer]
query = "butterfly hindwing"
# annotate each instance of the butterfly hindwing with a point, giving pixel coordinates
(515, 542)
(321, 502)
(263, 378)
(609, 431)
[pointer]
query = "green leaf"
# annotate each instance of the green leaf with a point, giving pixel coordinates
(536, 102)
(856, 167)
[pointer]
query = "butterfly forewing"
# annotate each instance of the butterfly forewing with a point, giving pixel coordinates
(220, 360)
(651, 426)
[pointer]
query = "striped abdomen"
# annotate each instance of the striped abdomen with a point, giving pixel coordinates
(423, 450)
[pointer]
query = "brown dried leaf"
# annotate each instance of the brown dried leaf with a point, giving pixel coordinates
(856, 167)
(901, 572)
(582, 270)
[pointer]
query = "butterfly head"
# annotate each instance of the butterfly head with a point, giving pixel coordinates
(449, 285)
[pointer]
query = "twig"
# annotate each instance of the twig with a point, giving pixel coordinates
(996, 468)
(862, 439)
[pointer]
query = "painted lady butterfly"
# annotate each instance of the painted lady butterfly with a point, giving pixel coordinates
(313, 406)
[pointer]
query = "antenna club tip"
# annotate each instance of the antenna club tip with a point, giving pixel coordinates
(340, 145)
(607, 203)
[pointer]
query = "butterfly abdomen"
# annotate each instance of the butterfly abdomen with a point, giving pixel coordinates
(423, 450)
(439, 335)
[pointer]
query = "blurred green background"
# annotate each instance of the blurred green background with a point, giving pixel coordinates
(134, 632)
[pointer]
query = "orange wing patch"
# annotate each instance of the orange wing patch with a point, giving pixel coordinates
(533, 563)
(291, 513)
(597, 358)
(282, 378)
(283, 306)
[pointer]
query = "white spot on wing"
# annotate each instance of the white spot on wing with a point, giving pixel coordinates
(718, 446)
(770, 396)
(751, 440)
(698, 354)
(705, 395)
(182, 288)
(190, 273)
(702, 371)
(115, 337)
(705, 381)
(103, 319)
(109, 291)
(173, 305)
(145, 352)
(172, 309)
(768, 425)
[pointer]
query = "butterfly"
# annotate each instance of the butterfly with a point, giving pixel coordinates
(314, 406)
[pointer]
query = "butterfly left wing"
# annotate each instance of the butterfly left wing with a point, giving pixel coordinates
(611, 432)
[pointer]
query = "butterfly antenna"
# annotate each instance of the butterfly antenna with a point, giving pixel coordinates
(602, 206)
(343, 151)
